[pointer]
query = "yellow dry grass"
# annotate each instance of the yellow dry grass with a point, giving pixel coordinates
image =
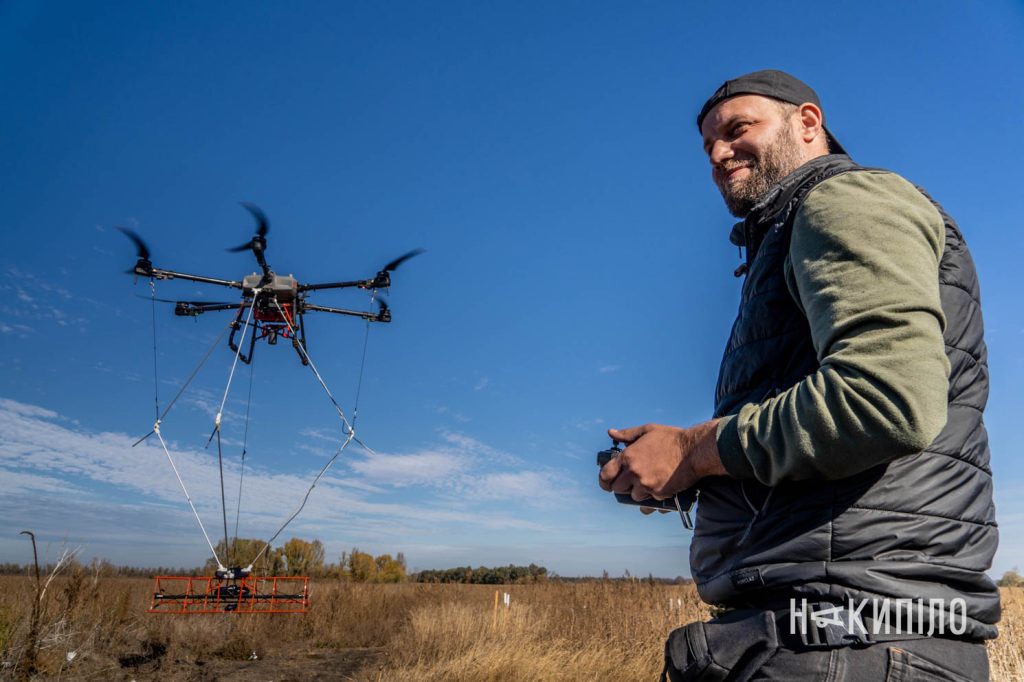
(96, 628)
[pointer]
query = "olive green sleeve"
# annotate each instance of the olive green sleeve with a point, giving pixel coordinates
(863, 266)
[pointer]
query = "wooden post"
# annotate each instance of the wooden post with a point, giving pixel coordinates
(494, 617)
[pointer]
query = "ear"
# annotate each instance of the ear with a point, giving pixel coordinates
(812, 123)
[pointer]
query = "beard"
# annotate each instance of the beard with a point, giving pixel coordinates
(780, 158)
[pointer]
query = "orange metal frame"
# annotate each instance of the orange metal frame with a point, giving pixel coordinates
(185, 595)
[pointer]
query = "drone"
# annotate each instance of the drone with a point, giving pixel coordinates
(273, 307)
(277, 303)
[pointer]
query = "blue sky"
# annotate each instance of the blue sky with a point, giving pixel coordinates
(578, 273)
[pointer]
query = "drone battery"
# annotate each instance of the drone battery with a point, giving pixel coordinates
(284, 287)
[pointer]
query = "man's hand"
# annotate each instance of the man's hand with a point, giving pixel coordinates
(660, 461)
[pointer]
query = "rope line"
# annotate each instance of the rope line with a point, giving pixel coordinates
(156, 379)
(305, 499)
(188, 497)
(341, 413)
(350, 435)
(188, 381)
(245, 440)
(223, 500)
(220, 412)
(362, 364)
(348, 429)
(234, 363)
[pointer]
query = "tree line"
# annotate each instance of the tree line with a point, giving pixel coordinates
(499, 575)
(298, 557)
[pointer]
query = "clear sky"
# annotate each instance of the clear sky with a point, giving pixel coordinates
(578, 273)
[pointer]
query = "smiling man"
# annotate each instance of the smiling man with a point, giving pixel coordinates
(845, 519)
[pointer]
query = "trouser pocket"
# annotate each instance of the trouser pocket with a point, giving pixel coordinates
(728, 648)
(907, 667)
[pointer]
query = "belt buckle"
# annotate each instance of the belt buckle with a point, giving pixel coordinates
(828, 626)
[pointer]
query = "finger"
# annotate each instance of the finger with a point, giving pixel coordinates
(647, 511)
(628, 435)
(624, 482)
(640, 493)
(609, 472)
(664, 511)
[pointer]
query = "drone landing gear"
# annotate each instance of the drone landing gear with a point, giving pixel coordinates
(235, 326)
(271, 325)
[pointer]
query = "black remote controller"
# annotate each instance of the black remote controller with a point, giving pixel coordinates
(681, 502)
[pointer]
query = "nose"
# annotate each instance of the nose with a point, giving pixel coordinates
(720, 151)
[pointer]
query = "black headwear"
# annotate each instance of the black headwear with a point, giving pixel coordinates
(769, 83)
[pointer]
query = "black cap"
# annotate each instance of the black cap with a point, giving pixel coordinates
(769, 83)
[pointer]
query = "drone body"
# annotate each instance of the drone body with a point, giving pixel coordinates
(276, 304)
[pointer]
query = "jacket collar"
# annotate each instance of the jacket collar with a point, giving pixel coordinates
(779, 196)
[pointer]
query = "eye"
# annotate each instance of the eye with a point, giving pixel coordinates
(739, 128)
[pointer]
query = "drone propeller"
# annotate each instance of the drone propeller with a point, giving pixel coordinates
(383, 278)
(383, 311)
(393, 265)
(143, 266)
(262, 227)
(258, 244)
(140, 246)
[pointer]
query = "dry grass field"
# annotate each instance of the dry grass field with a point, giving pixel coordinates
(95, 628)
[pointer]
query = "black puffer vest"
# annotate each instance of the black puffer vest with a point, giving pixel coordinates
(919, 527)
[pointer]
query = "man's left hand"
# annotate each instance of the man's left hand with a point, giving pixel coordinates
(660, 461)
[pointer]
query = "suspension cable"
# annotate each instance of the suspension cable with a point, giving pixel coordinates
(220, 412)
(362, 365)
(188, 381)
(348, 430)
(156, 379)
(160, 417)
(266, 546)
(234, 363)
(245, 440)
(337, 407)
(156, 430)
(223, 500)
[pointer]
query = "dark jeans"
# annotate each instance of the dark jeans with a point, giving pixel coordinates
(745, 647)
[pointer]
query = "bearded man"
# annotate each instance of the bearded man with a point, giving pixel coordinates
(845, 520)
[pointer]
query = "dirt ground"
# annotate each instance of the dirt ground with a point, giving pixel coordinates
(324, 664)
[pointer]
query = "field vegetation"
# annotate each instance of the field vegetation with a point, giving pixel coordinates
(93, 627)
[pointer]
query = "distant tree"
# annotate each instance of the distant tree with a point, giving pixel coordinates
(500, 575)
(361, 567)
(1011, 578)
(303, 558)
(241, 551)
(389, 570)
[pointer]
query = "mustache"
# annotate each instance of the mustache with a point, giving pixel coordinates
(722, 171)
(730, 167)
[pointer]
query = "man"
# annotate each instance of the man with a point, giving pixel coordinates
(845, 518)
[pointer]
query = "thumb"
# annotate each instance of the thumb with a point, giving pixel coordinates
(628, 435)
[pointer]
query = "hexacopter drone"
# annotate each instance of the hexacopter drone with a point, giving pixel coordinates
(278, 302)
(272, 306)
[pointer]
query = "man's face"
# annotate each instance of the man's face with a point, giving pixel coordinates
(752, 144)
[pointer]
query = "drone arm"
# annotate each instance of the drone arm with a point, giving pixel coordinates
(361, 283)
(158, 273)
(189, 309)
(382, 316)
